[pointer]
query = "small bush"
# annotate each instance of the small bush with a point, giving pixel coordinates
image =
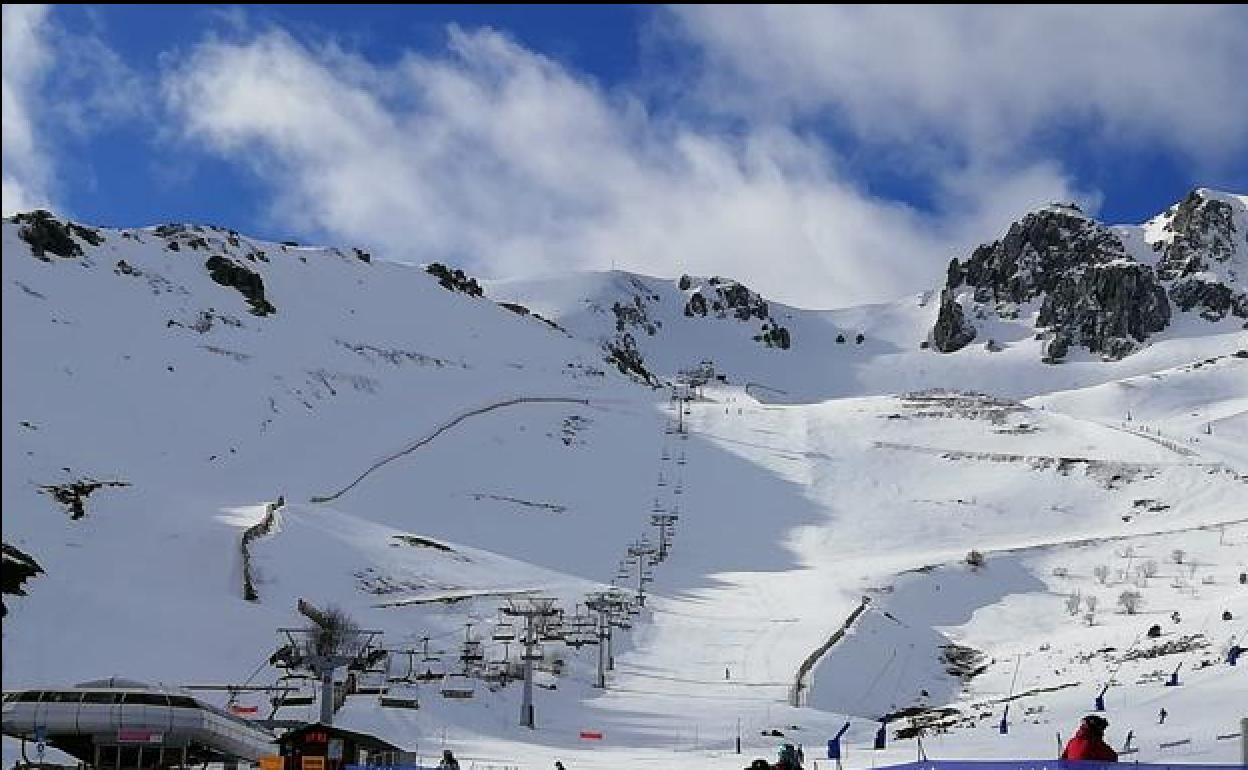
(975, 559)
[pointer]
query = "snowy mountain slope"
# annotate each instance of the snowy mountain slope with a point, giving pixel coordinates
(131, 363)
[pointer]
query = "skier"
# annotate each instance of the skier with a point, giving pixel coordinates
(1161, 717)
(559, 765)
(788, 759)
(449, 762)
(1089, 742)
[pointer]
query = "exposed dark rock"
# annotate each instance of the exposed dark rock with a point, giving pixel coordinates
(774, 337)
(362, 255)
(1036, 253)
(1107, 308)
(952, 330)
(696, 305)
(685, 283)
(515, 307)
(48, 235)
(1091, 293)
(1214, 299)
(227, 272)
(454, 280)
(18, 567)
(623, 352)
(73, 495)
(1204, 232)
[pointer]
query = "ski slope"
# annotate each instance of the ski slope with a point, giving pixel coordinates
(437, 453)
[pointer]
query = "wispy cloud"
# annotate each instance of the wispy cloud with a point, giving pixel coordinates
(27, 168)
(492, 155)
(59, 86)
(985, 81)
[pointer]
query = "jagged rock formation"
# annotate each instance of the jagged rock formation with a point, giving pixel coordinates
(723, 298)
(1084, 286)
(19, 567)
(227, 272)
(1105, 308)
(48, 235)
(952, 331)
(1199, 258)
(454, 280)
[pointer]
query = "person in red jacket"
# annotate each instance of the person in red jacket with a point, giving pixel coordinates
(1089, 742)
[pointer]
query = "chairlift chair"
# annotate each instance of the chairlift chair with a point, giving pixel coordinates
(681, 460)
(305, 695)
(504, 632)
(402, 697)
(372, 682)
(433, 671)
(531, 652)
(472, 652)
(458, 687)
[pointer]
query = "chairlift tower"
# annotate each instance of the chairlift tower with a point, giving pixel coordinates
(536, 611)
(641, 552)
(664, 522)
(323, 650)
(610, 606)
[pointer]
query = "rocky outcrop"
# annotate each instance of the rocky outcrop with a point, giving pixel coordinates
(622, 351)
(952, 331)
(1035, 254)
(725, 298)
(1106, 308)
(19, 567)
(1199, 258)
(455, 280)
(227, 272)
(1090, 292)
(1204, 233)
(48, 235)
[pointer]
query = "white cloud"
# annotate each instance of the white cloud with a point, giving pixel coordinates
(57, 84)
(495, 157)
(986, 80)
(27, 172)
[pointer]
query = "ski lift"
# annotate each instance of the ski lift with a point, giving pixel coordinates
(392, 675)
(371, 682)
(681, 460)
(472, 652)
(662, 481)
(304, 693)
(497, 671)
(552, 632)
(403, 697)
(504, 632)
(666, 455)
(658, 507)
(432, 672)
(458, 687)
(531, 652)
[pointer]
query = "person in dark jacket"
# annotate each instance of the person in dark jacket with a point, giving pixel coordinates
(449, 762)
(1089, 742)
(788, 759)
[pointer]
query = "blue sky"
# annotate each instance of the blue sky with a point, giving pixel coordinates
(857, 147)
